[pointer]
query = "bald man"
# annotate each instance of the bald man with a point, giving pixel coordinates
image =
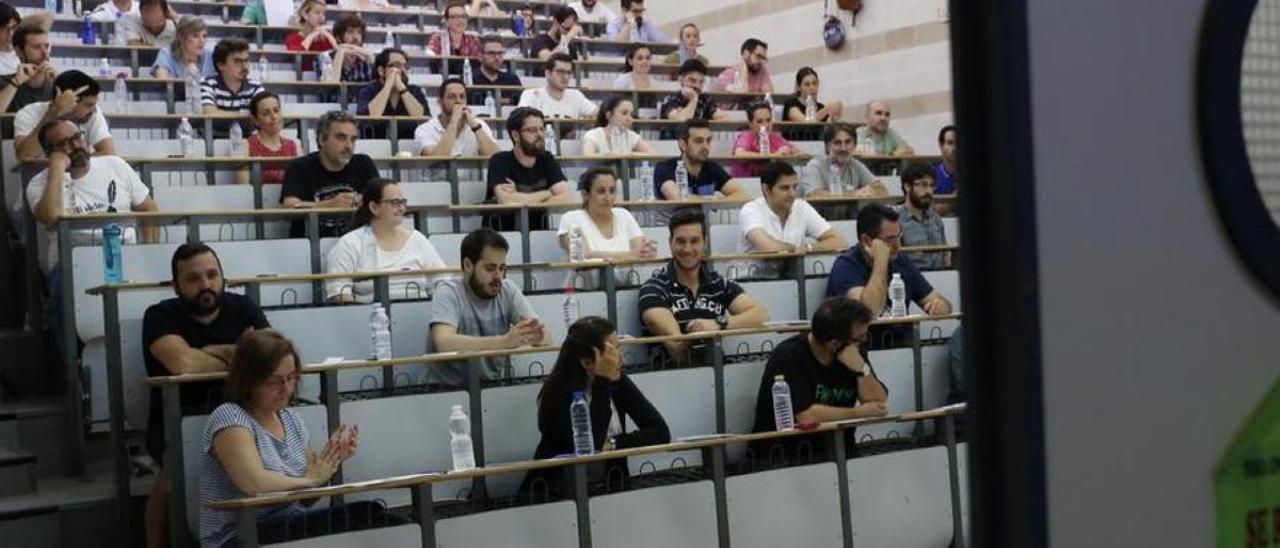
(876, 137)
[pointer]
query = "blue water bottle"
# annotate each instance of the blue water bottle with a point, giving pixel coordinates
(87, 34)
(112, 262)
(517, 23)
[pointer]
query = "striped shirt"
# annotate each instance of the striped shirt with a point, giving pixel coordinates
(287, 456)
(214, 91)
(711, 302)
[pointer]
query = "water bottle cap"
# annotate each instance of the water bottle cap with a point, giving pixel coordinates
(457, 408)
(779, 377)
(577, 395)
(897, 276)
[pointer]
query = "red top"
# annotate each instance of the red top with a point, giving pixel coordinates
(272, 173)
(293, 42)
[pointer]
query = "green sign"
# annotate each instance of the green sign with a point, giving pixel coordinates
(1248, 481)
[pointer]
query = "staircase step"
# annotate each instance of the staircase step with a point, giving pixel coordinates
(17, 473)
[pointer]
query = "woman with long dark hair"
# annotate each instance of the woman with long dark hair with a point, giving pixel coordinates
(613, 134)
(590, 364)
(807, 86)
(377, 240)
(635, 70)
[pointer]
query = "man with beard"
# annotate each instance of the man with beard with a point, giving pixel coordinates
(631, 26)
(558, 38)
(853, 178)
(332, 176)
(481, 311)
(778, 222)
(751, 73)
(76, 101)
(689, 297)
(353, 61)
(946, 171)
(921, 225)
(527, 174)
(194, 332)
(592, 11)
(707, 179)
(456, 132)
(391, 94)
(876, 137)
(690, 103)
(33, 81)
(557, 100)
(490, 72)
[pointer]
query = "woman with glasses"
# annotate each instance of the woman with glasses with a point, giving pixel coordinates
(613, 134)
(254, 444)
(635, 70)
(461, 43)
(378, 240)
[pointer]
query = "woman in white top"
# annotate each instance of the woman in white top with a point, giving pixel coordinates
(635, 70)
(379, 241)
(607, 232)
(613, 134)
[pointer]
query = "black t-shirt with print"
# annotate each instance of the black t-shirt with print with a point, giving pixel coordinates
(307, 180)
(544, 173)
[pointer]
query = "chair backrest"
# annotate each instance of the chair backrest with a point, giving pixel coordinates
(448, 245)
(951, 225)
(910, 512)
(399, 536)
(207, 198)
(798, 506)
(681, 397)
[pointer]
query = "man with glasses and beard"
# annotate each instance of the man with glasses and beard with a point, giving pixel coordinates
(527, 174)
(751, 73)
(557, 100)
(490, 73)
(482, 311)
(829, 377)
(75, 100)
(194, 332)
(921, 225)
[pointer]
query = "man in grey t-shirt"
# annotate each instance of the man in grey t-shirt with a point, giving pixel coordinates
(856, 181)
(481, 311)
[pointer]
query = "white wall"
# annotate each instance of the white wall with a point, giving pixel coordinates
(1156, 342)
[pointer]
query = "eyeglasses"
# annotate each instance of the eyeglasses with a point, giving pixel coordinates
(77, 136)
(277, 382)
(891, 239)
(562, 72)
(242, 61)
(497, 53)
(395, 202)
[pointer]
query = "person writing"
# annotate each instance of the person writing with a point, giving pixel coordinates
(589, 364)
(378, 240)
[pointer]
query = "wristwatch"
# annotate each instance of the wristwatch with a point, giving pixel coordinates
(476, 128)
(723, 322)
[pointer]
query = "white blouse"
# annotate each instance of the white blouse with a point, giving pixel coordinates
(358, 251)
(615, 143)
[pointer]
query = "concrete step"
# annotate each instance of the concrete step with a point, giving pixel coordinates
(17, 472)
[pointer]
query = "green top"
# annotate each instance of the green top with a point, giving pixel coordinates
(255, 13)
(1248, 479)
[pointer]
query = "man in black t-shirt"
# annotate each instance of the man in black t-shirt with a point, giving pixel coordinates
(688, 297)
(527, 174)
(707, 179)
(559, 37)
(490, 73)
(333, 176)
(690, 103)
(194, 332)
(829, 377)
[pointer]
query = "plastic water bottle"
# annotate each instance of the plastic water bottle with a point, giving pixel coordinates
(897, 296)
(51, 6)
(490, 104)
(69, 7)
(264, 68)
(104, 67)
(580, 418)
(810, 108)
(122, 92)
(646, 181)
(517, 23)
(867, 145)
(834, 185)
(467, 78)
(550, 140)
(768, 98)
(446, 49)
(577, 251)
(464, 456)
(783, 416)
(570, 306)
(87, 35)
(380, 332)
(324, 67)
(186, 137)
(682, 180)
(193, 90)
(236, 135)
(117, 31)
(763, 136)
(112, 263)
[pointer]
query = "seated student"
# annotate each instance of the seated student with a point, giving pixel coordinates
(749, 144)
(312, 35)
(690, 102)
(946, 172)
(864, 272)
(921, 225)
(107, 12)
(589, 366)
(635, 70)
(854, 177)
(391, 95)
(876, 137)
(231, 90)
(557, 100)
(333, 176)
(830, 380)
(76, 101)
(489, 72)
(461, 43)
(255, 444)
(32, 81)
(351, 61)
(779, 222)
(591, 11)
(9, 21)
(558, 38)
(631, 25)
(151, 26)
(465, 134)
(481, 311)
(187, 54)
(607, 232)
(484, 8)
(526, 174)
(193, 332)
(689, 297)
(268, 141)
(613, 135)
(807, 86)
(378, 240)
(751, 73)
(707, 180)
(690, 41)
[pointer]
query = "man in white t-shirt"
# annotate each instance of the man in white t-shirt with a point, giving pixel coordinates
(75, 100)
(592, 11)
(152, 25)
(106, 12)
(75, 183)
(464, 136)
(557, 100)
(779, 223)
